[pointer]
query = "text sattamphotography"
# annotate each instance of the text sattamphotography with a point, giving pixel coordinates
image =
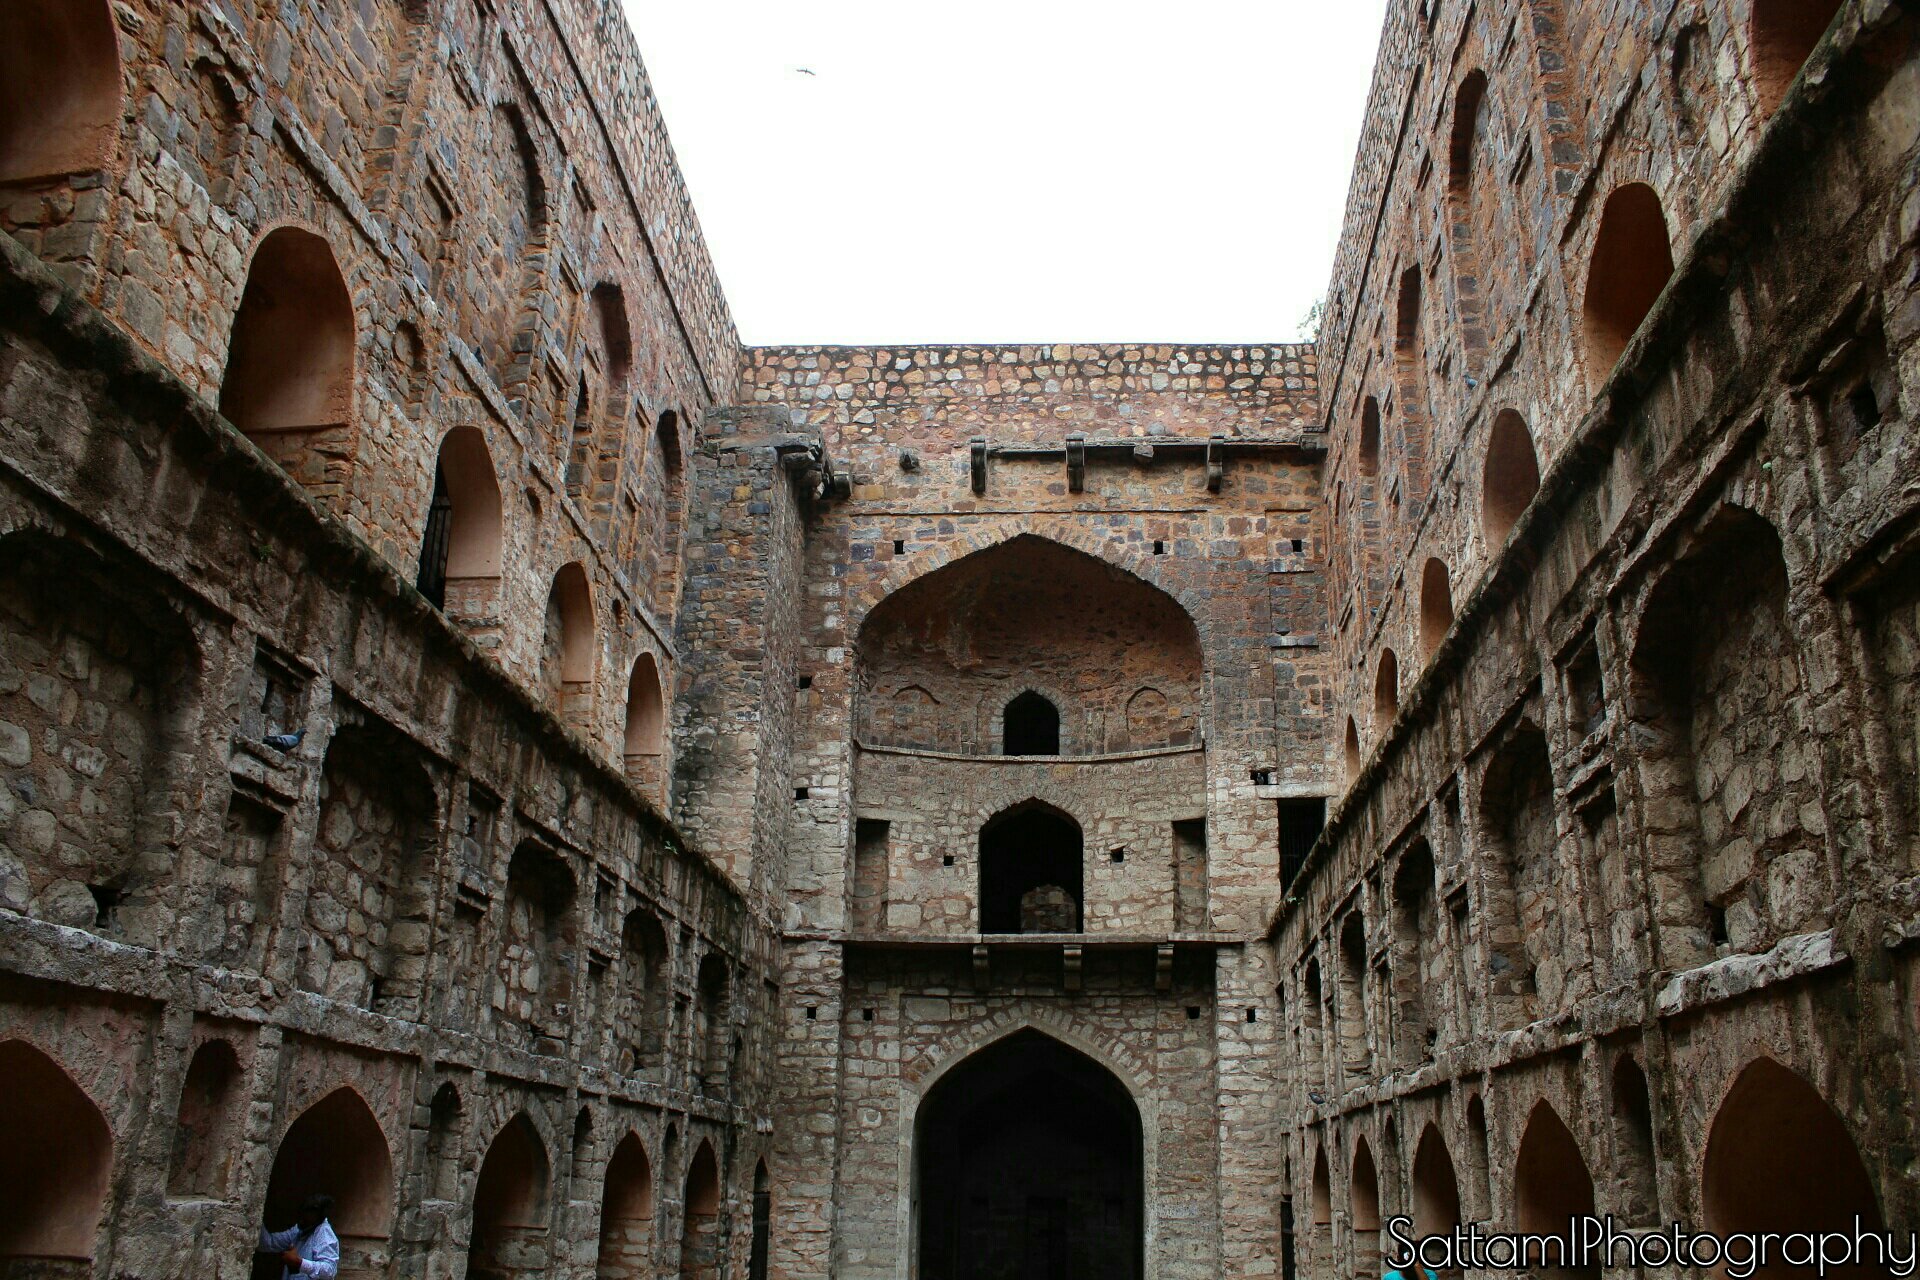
(1597, 1242)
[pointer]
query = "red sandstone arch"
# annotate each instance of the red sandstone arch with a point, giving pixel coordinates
(460, 547)
(615, 337)
(1510, 477)
(1779, 1158)
(60, 89)
(1551, 1183)
(1780, 35)
(290, 363)
(1632, 261)
(626, 1214)
(336, 1148)
(1386, 691)
(1436, 605)
(1469, 104)
(1436, 1192)
(700, 1237)
(510, 1204)
(206, 1128)
(1351, 750)
(58, 1153)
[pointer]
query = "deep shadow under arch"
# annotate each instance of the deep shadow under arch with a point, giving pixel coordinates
(1028, 1166)
(1032, 871)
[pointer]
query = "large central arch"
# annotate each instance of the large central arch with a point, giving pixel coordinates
(1029, 1165)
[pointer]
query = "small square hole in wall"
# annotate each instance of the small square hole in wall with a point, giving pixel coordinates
(813, 1013)
(1262, 777)
(1299, 545)
(899, 546)
(1253, 1015)
(1159, 547)
(1118, 855)
(801, 793)
(946, 859)
(1193, 1013)
(866, 1015)
(805, 682)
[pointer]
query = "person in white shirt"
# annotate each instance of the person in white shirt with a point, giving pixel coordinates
(308, 1248)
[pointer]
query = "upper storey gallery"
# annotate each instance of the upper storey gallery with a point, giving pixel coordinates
(434, 259)
(1529, 174)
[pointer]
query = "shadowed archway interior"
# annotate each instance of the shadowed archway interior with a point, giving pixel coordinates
(1028, 1166)
(1031, 872)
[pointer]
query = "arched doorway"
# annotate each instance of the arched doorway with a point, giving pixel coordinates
(336, 1148)
(1031, 873)
(1779, 1158)
(700, 1252)
(1028, 1166)
(508, 1240)
(626, 1214)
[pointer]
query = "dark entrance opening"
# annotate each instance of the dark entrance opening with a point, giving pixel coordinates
(1030, 872)
(1030, 726)
(1028, 1167)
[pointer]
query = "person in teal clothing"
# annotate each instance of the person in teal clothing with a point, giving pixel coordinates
(1395, 1273)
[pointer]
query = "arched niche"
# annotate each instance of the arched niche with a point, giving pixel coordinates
(1635, 1173)
(289, 381)
(60, 89)
(1510, 477)
(1022, 1118)
(1436, 605)
(206, 1129)
(1368, 456)
(566, 663)
(1028, 614)
(1436, 1192)
(1551, 1183)
(1386, 691)
(1363, 1207)
(58, 1153)
(540, 931)
(700, 1253)
(1466, 147)
(613, 336)
(626, 1214)
(1321, 1191)
(1032, 871)
(336, 1148)
(1030, 726)
(645, 739)
(460, 548)
(1780, 1158)
(646, 982)
(1350, 751)
(712, 1045)
(510, 1204)
(1631, 263)
(760, 1247)
(1781, 34)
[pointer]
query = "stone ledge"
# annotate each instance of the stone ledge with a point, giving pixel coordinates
(1789, 958)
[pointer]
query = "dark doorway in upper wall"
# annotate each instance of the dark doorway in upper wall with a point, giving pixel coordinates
(1030, 727)
(1030, 872)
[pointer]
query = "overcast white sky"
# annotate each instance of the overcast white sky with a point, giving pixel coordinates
(1008, 171)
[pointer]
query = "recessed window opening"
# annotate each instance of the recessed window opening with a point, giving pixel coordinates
(1031, 875)
(1030, 727)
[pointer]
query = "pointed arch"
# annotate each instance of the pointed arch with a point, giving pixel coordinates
(1465, 143)
(510, 1203)
(206, 1126)
(1321, 1190)
(443, 1143)
(60, 89)
(1350, 752)
(1436, 605)
(1780, 1158)
(712, 1046)
(1030, 726)
(1363, 1188)
(1509, 478)
(1032, 872)
(290, 374)
(1635, 1174)
(59, 1157)
(1029, 1114)
(700, 1236)
(514, 224)
(1436, 1192)
(645, 978)
(760, 1247)
(1631, 263)
(336, 1147)
(1551, 1182)
(626, 1214)
(1369, 451)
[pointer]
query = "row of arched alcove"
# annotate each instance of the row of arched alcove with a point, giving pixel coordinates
(294, 380)
(62, 1155)
(1776, 1157)
(1628, 259)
